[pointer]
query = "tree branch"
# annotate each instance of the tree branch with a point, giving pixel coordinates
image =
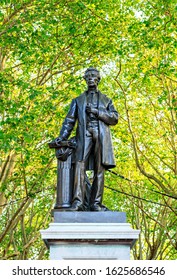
(140, 167)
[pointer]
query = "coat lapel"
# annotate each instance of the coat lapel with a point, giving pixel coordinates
(81, 101)
(102, 100)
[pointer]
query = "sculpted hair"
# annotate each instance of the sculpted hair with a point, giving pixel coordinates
(92, 69)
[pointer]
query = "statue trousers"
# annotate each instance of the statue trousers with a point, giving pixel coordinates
(92, 145)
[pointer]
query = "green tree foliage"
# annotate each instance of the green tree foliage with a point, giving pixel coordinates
(45, 46)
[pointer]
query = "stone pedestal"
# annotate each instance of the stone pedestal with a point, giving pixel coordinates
(89, 235)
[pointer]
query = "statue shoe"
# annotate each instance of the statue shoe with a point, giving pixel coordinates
(97, 207)
(76, 207)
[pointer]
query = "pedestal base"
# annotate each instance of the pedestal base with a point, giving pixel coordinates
(89, 240)
(89, 252)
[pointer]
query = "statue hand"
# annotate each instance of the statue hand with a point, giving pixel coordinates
(90, 109)
(71, 144)
(58, 141)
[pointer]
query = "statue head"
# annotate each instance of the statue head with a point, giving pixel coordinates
(92, 77)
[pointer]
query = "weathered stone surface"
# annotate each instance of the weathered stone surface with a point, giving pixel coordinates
(90, 240)
(89, 217)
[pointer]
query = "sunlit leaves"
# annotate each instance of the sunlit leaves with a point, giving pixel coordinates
(45, 48)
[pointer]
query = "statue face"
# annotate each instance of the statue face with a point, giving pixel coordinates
(91, 78)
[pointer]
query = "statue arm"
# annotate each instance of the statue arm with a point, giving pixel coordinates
(108, 115)
(69, 121)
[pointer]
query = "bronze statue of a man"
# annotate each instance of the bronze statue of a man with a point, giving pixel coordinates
(94, 113)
